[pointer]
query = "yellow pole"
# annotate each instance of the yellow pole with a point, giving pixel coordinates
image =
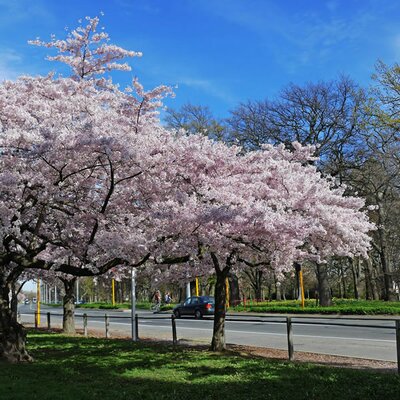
(227, 292)
(302, 289)
(197, 286)
(38, 302)
(113, 291)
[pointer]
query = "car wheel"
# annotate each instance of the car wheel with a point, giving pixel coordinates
(198, 314)
(177, 314)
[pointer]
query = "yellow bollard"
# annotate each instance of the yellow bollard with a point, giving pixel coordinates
(38, 302)
(113, 291)
(227, 292)
(302, 289)
(197, 286)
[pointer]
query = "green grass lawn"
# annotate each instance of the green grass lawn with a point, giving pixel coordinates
(78, 368)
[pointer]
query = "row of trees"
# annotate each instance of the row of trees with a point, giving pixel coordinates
(93, 184)
(356, 132)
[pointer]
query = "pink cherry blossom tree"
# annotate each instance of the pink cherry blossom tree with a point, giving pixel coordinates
(78, 157)
(265, 209)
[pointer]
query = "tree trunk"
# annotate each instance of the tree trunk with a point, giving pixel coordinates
(218, 339)
(370, 281)
(343, 282)
(389, 294)
(325, 296)
(297, 289)
(256, 281)
(356, 271)
(387, 276)
(234, 293)
(258, 284)
(278, 290)
(12, 334)
(69, 306)
(14, 302)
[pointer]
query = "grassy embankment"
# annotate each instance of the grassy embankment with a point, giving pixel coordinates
(88, 368)
(340, 306)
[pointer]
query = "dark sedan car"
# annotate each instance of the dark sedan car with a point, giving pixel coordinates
(196, 306)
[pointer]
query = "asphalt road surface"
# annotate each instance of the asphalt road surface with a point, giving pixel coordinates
(354, 337)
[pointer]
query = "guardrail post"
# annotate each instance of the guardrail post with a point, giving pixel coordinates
(48, 321)
(85, 324)
(174, 339)
(398, 344)
(36, 320)
(137, 327)
(290, 338)
(107, 321)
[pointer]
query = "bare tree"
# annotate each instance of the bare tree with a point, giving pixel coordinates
(195, 119)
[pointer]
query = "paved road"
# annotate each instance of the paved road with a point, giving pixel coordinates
(369, 338)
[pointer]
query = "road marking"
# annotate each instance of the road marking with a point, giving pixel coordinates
(263, 333)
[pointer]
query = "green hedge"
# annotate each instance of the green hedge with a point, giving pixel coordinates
(144, 305)
(340, 306)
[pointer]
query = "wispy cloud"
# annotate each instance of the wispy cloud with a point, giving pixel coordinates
(23, 10)
(131, 6)
(10, 63)
(309, 35)
(186, 76)
(207, 86)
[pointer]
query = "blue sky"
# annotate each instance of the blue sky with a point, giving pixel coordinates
(218, 52)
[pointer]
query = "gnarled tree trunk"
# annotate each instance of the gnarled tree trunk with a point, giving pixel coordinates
(69, 306)
(12, 334)
(218, 338)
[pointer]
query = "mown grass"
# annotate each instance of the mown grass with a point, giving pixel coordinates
(88, 368)
(340, 306)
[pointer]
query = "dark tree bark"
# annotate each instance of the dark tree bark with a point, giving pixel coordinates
(256, 281)
(389, 294)
(69, 306)
(324, 290)
(278, 290)
(356, 272)
(218, 339)
(234, 292)
(371, 288)
(381, 248)
(12, 334)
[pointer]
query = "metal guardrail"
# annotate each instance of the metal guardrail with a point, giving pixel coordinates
(289, 321)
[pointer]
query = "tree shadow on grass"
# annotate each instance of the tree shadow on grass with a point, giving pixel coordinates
(79, 368)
